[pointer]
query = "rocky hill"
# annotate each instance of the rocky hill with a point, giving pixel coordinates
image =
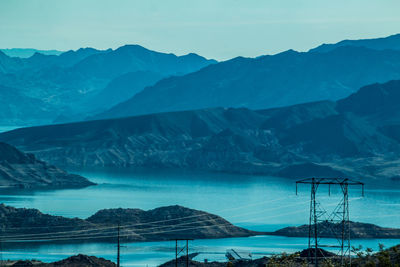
(358, 136)
(21, 170)
(135, 225)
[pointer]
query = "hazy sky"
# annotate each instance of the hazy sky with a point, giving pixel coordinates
(218, 29)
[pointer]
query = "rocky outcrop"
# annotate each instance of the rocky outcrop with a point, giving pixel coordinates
(21, 170)
(135, 225)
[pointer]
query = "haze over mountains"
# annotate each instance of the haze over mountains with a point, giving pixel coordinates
(391, 43)
(131, 80)
(28, 52)
(269, 81)
(358, 135)
(71, 84)
(209, 134)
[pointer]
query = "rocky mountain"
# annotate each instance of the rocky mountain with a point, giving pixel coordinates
(22, 170)
(357, 230)
(268, 81)
(358, 136)
(77, 83)
(135, 225)
(391, 42)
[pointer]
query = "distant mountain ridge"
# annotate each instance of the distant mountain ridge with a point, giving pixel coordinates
(391, 42)
(97, 84)
(269, 81)
(28, 52)
(72, 83)
(358, 136)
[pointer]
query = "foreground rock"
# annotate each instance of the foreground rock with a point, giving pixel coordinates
(22, 170)
(135, 225)
(363, 132)
(357, 230)
(74, 261)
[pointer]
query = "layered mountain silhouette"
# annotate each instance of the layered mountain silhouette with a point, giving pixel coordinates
(76, 83)
(358, 136)
(132, 80)
(269, 81)
(28, 52)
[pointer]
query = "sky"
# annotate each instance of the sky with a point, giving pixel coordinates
(219, 29)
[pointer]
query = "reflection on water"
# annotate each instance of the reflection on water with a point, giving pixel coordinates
(256, 202)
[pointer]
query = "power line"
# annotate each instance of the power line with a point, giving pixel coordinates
(174, 219)
(145, 229)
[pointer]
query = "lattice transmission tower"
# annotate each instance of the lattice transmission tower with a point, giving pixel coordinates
(323, 224)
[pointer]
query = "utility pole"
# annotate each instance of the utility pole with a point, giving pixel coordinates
(337, 222)
(181, 250)
(176, 253)
(118, 247)
(187, 253)
(1, 247)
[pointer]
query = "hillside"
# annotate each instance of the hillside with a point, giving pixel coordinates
(362, 130)
(136, 225)
(278, 80)
(22, 170)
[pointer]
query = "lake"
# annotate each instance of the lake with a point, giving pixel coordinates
(255, 202)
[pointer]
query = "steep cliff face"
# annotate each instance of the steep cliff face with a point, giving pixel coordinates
(18, 169)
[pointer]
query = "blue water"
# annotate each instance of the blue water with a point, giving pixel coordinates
(256, 202)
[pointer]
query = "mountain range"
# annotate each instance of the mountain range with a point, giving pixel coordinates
(357, 137)
(72, 83)
(283, 79)
(131, 80)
